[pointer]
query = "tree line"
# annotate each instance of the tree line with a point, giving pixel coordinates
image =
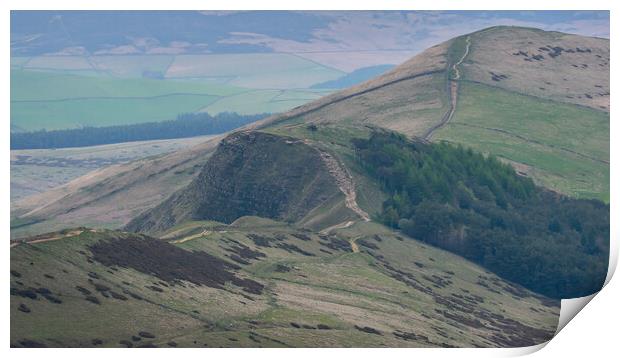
(479, 208)
(185, 125)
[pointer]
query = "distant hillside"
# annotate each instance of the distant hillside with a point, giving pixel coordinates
(355, 77)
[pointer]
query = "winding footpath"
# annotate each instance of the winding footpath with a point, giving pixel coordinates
(454, 92)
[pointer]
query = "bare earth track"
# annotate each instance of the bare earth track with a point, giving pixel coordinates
(454, 92)
(345, 184)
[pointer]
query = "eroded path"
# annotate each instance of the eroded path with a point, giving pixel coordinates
(345, 184)
(57, 236)
(454, 92)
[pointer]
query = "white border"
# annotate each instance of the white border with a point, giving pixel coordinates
(594, 330)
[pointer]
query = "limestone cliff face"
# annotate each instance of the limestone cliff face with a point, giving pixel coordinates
(251, 173)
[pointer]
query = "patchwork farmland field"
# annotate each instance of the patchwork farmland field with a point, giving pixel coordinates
(269, 70)
(59, 92)
(268, 101)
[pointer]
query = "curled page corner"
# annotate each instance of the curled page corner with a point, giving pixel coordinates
(571, 307)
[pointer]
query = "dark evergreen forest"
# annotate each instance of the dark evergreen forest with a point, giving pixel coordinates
(185, 125)
(478, 207)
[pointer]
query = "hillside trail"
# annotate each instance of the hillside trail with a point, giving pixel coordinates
(192, 237)
(454, 92)
(345, 183)
(354, 247)
(52, 238)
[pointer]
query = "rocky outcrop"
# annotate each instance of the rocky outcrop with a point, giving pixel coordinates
(251, 173)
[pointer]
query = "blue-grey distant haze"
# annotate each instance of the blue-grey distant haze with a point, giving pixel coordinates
(178, 32)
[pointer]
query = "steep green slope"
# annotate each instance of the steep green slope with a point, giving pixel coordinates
(267, 285)
(251, 173)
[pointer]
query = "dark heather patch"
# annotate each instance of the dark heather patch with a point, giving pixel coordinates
(15, 273)
(136, 338)
(48, 276)
(307, 326)
(516, 291)
(438, 281)
(282, 268)
(92, 299)
(96, 342)
(368, 245)
(147, 345)
(28, 343)
(27, 293)
(118, 296)
(100, 288)
(410, 336)
(239, 260)
(293, 249)
(43, 291)
(154, 288)
(133, 295)
(170, 263)
(295, 325)
(302, 237)
(22, 307)
(336, 244)
(145, 334)
(83, 290)
(245, 253)
(172, 344)
(323, 326)
(260, 240)
(126, 343)
(368, 330)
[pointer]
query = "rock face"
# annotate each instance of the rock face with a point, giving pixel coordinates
(251, 173)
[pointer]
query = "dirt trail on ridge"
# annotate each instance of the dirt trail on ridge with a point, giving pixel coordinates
(454, 92)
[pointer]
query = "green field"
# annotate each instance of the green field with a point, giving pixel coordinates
(104, 112)
(267, 101)
(564, 147)
(39, 86)
(58, 92)
(258, 70)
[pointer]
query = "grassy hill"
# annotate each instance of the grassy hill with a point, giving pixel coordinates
(561, 145)
(268, 285)
(324, 264)
(539, 100)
